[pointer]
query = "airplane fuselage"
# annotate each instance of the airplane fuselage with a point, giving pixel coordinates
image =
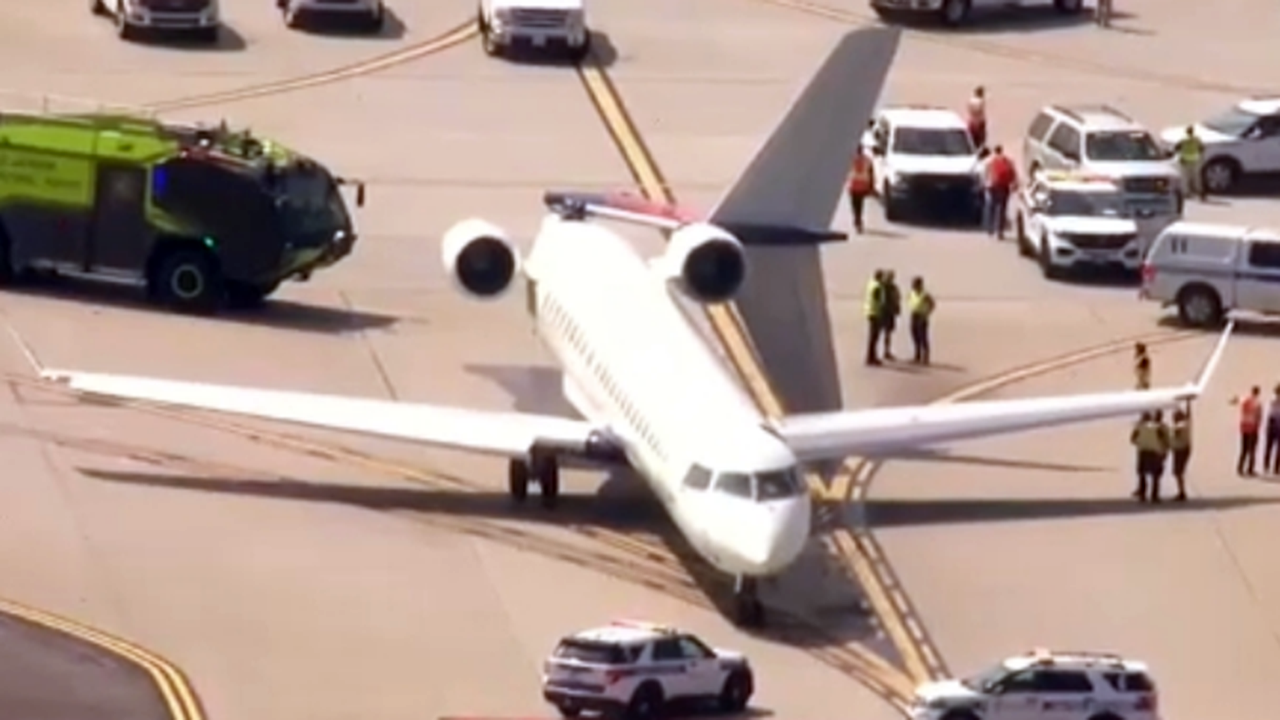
(633, 362)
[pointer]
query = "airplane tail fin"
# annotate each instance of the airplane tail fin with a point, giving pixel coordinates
(788, 192)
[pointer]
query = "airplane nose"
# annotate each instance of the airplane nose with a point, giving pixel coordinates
(781, 536)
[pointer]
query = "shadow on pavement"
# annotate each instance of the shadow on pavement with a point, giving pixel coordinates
(901, 513)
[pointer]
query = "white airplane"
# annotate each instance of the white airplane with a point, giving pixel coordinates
(652, 394)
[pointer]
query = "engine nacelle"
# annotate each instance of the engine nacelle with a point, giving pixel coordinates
(479, 258)
(708, 263)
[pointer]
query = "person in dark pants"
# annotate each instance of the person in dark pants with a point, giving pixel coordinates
(1141, 366)
(920, 304)
(892, 308)
(1000, 181)
(862, 182)
(873, 308)
(1271, 452)
(1150, 437)
(1180, 443)
(1250, 422)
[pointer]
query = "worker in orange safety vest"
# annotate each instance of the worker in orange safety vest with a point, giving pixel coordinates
(862, 182)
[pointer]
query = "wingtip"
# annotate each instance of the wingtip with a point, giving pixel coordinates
(61, 377)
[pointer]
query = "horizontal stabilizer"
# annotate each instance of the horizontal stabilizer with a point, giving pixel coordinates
(627, 207)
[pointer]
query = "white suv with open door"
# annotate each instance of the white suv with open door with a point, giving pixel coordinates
(1243, 140)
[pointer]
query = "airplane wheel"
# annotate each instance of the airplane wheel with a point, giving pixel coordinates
(547, 472)
(518, 480)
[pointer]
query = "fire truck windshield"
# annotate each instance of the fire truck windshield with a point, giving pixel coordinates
(310, 202)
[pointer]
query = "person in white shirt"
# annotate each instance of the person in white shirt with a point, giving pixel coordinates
(978, 116)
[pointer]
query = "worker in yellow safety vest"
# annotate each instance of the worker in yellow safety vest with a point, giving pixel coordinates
(1190, 151)
(1142, 366)
(873, 308)
(1151, 439)
(1180, 443)
(920, 304)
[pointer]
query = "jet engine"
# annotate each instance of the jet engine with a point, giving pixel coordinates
(707, 263)
(480, 258)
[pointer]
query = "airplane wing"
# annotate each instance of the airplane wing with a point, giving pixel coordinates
(826, 436)
(508, 434)
(796, 178)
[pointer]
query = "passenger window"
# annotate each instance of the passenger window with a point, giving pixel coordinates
(1040, 127)
(1265, 255)
(734, 484)
(667, 649)
(1023, 682)
(1130, 682)
(1060, 681)
(1066, 142)
(694, 650)
(699, 478)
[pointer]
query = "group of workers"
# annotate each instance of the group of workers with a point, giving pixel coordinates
(1155, 440)
(883, 306)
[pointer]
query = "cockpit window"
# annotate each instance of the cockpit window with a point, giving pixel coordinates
(699, 478)
(777, 485)
(734, 484)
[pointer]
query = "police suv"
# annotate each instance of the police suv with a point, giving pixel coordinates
(1044, 685)
(925, 157)
(638, 669)
(1069, 221)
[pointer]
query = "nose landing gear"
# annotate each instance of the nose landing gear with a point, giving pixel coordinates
(748, 611)
(539, 468)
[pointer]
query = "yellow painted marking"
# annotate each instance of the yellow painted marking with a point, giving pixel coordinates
(173, 687)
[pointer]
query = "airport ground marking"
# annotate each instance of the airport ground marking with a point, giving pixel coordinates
(452, 37)
(169, 681)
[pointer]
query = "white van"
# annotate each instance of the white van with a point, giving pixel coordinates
(1208, 270)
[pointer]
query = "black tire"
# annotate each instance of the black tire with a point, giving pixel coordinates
(189, 281)
(97, 8)
(891, 211)
(960, 715)
(245, 296)
(377, 22)
(1220, 176)
(491, 46)
(581, 52)
(1068, 7)
(209, 35)
(647, 702)
(518, 480)
(1020, 236)
(569, 711)
(546, 470)
(736, 692)
(1105, 716)
(954, 13)
(292, 19)
(1047, 268)
(1200, 306)
(124, 30)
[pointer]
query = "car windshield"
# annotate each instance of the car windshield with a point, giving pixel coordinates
(983, 681)
(1234, 122)
(922, 141)
(1120, 146)
(1091, 204)
(310, 202)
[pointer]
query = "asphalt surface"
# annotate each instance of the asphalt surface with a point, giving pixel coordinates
(345, 603)
(91, 682)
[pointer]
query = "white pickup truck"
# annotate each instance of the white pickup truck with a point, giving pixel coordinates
(536, 24)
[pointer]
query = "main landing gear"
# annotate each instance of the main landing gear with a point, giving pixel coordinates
(748, 611)
(540, 468)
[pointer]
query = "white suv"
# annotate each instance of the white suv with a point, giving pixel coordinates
(1043, 685)
(639, 669)
(1241, 141)
(1069, 222)
(537, 24)
(925, 158)
(956, 12)
(370, 14)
